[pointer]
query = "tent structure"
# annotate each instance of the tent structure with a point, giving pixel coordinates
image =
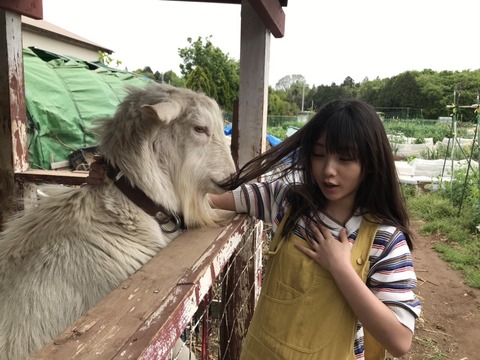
(64, 96)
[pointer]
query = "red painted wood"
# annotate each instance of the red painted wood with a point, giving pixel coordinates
(30, 8)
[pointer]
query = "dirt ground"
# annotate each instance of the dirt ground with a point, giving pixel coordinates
(449, 327)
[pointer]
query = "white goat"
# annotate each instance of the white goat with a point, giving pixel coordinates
(67, 253)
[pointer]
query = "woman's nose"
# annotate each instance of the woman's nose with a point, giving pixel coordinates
(329, 167)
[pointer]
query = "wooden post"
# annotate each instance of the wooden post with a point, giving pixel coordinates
(254, 61)
(13, 133)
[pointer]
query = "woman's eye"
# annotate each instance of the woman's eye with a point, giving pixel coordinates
(200, 129)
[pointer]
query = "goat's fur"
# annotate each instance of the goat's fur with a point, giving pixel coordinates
(78, 244)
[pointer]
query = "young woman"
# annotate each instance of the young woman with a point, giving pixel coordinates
(339, 261)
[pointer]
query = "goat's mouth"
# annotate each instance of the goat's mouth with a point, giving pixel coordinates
(218, 188)
(225, 184)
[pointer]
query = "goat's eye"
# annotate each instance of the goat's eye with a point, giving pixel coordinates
(200, 129)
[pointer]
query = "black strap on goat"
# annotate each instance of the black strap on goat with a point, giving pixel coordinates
(139, 198)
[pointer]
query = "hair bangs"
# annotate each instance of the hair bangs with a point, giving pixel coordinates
(341, 136)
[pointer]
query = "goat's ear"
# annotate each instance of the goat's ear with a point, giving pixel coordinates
(165, 111)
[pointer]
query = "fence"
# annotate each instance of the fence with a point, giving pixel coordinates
(276, 120)
(400, 112)
(201, 288)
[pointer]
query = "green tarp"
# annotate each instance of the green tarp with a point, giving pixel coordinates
(64, 96)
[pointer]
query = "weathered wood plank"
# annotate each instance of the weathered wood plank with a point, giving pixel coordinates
(13, 129)
(65, 177)
(143, 317)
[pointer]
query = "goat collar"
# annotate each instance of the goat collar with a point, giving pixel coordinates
(139, 198)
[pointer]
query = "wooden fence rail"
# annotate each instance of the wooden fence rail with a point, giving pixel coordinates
(146, 314)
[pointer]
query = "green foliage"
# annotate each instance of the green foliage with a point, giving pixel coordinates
(408, 190)
(281, 131)
(418, 129)
(423, 94)
(460, 244)
(463, 189)
(170, 77)
(438, 152)
(412, 94)
(108, 60)
(420, 140)
(200, 79)
(464, 259)
(452, 212)
(206, 68)
(400, 91)
(431, 206)
(147, 72)
(279, 105)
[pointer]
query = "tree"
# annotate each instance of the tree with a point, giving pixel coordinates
(348, 82)
(286, 82)
(147, 72)
(370, 90)
(206, 68)
(402, 91)
(279, 105)
(323, 94)
(200, 79)
(170, 77)
(297, 92)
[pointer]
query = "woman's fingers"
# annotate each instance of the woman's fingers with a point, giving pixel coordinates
(310, 239)
(343, 235)
(319, 230)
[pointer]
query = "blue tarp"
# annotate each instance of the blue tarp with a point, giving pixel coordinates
(273, 140)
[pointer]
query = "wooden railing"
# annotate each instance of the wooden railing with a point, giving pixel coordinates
(146, 314)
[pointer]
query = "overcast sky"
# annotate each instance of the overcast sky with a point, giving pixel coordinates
(325, 40)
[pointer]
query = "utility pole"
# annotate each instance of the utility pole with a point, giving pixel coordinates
(303, 94)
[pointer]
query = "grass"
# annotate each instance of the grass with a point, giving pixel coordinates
(461, 245)
(433, 352)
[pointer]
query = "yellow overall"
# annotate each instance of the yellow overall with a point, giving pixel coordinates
(301, 313)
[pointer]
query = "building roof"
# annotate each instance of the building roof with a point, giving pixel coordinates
(50, 30)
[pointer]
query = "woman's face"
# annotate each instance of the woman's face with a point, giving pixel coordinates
(337, 177)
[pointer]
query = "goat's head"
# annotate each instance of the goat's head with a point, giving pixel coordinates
(170, 143)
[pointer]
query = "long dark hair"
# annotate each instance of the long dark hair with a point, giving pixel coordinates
(352, 128)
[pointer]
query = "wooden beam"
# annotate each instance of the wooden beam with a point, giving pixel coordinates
(282, 2)
(30, 8)
(271, 14)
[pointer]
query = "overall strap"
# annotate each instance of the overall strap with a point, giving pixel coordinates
(360, 254)
(362, 245)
